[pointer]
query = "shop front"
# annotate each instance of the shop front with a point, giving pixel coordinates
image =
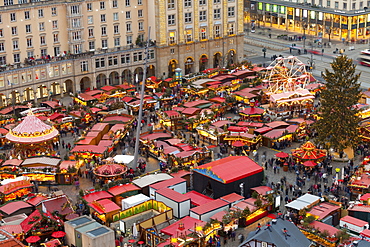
(15, 190)
(313, 21)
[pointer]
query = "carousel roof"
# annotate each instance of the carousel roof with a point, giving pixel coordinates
(110, 170)
(32, 130)
(308, 151)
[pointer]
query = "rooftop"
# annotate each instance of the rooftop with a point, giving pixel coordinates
(104, 206)
(189, 223)
(13, 207)
(123, 188)
(197, 198)
(233, 197)
(229, 169)
(151, 179)
(323, 209)
(208, 207)
(354, 221)
(276, 235)
(322, 227)
(172, 195)
(97, 196)
(167, 183)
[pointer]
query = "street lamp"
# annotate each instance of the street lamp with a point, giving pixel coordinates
(304, 26)
(241, 189)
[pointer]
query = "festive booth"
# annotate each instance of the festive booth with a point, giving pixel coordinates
(110, 170)
(244, 96)
(41, 223)
(60, 205)
(103, 210)
(170, 119)
(85, 99)
(197, 199)
(15, 208)
(15, 190)
(122, 191)
(252, 112)
(249, 141)
(98, 195)
(40, 168)
(10, 168)
(67, 169)
(221, 177)
(353, 224)
(88, 151)
(232, 198)
(308, 151)
(147, 180)
(32, 137)
(188, 232)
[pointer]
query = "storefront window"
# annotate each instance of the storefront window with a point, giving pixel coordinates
(297, 12)
(282, 9)
(275, 8)
(344, 20)
(320, 16)
(313, 15)
(305, 13)
(267, 7)
(260, 6)
(290, 11)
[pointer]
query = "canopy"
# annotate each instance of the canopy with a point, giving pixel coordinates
(238, 144)
(309, 163)
(282, 155)
(252, 111)
(123, 159)
(32, 239)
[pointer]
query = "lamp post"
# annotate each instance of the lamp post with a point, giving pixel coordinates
(304, 26)
(178, 75)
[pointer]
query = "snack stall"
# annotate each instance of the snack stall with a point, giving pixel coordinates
(67, 169)
(10, 168)
(40, 169)
(103, 211)
(14, 190)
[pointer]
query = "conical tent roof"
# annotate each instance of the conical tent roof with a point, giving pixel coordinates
(32, 130)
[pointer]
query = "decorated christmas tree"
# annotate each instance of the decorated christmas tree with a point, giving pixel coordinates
(337, 126)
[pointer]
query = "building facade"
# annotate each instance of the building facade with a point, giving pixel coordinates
(197, 34)
(54, 47)
(314, 19)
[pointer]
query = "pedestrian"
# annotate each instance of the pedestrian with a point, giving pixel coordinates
(233, 235)
(241, 238)
(77, 184)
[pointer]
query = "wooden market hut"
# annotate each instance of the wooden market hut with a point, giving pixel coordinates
(13, 190)
(122, 191)
(15, 208)
(41, 223)
(103, 210)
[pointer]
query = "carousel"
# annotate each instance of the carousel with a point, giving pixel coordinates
(110, 170)
(32, 137)
(309, 152)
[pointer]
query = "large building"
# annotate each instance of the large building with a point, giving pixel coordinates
(54, 47)
(314, 19)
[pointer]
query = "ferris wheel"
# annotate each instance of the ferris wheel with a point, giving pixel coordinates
(286, 74)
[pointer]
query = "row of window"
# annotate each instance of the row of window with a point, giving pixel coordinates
(117, 42)
(189, 3)
(27, 15)
(29, 42)
(188, 17)
(125, 59)
(75, 9)
(102, 5)
(17, 58)
(28, 29)
(103, 17)
(188, 34)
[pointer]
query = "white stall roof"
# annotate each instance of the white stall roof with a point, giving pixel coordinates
(134, 200)
(303, 201)
(151, 179)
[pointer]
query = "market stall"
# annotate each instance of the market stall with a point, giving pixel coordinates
(15, 190)
(40, 169)
(103, 210)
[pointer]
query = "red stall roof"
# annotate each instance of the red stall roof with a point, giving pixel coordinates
(191, 110)
(97, 196)
(196, 103)
(188, 222)
(36, 200)
(322, 227)
(167, 183)
(262, 130)
(89, 148)
(155, 136)
(12, 162)
(172, 195)
(354, 221)
(365, 233)
(232, 168)
(237, 129)
(12, 229)
(221, 123)
(262, 190)
(12, 207)
(250, 124)
(104, 206)
(14, 186)
(219, 216)
(252, 111)
(99, 126)
(209, 207)
(180, 174)
(233, 197)
(117, 118)
(117, 127)
(58, 204)
(108, 88)
(197, 198)
(323, 210)
(123, 188)
(274, 134)
(277, 124)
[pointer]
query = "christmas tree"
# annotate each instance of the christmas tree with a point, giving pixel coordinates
(337, 126)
